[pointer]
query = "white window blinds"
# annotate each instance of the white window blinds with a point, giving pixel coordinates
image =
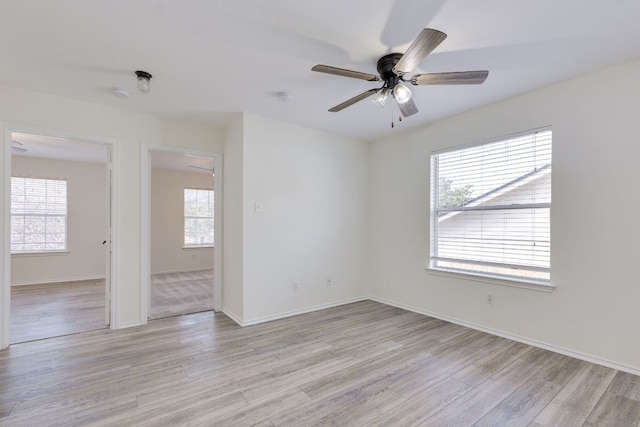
(198, 217)
(490, 208)
(38, 215)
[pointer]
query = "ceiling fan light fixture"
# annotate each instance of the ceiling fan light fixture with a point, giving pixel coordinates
(401, 93)
(381, 97)
(144, 81)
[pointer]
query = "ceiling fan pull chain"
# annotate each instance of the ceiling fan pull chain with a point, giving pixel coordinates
(392, 124)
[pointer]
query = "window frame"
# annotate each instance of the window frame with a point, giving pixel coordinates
(435, 211)
(65, 248)
(187, 246)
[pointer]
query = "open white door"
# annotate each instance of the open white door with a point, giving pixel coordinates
(107, 240)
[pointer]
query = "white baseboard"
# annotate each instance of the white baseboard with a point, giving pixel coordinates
(283, 315)
(59, 280)
(232, 316)
(531, 342)
(181, 271)
(128, 325)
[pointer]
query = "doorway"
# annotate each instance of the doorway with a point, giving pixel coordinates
(60, 234)
(181, 220)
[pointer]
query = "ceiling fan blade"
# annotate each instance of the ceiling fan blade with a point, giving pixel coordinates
(409, 108)
(17, 146)
(452, 78)
(423, 45)
(345, 73)
(199, 167)
(353, 100)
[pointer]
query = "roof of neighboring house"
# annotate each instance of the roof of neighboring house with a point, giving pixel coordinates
(512, 185)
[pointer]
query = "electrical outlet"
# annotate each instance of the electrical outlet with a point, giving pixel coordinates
(296, 286)
(491, 299)
(328, 281)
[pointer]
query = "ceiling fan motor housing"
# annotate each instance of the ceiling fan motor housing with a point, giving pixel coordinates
(385, 69)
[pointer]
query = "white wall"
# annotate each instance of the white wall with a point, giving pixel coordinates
(167, 222)
(129, 129)
(313, 187)
(86, 223)
(595, 229)
(233, 263)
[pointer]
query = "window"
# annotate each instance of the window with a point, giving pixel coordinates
(38, 215)
(490, 208)
(198, 217)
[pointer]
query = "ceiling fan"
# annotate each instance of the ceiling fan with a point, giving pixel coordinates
(17, 146)
(394, 66)
(200, 167)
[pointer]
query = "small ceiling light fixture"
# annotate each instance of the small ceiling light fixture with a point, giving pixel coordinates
(283, 97)
(401, 93)
(121, 93)
(144, 81)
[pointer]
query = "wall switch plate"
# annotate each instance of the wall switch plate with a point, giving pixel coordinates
(258, 207)
(491, 299)
(296, 286)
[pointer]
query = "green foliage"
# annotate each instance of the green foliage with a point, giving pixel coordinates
(450, 197)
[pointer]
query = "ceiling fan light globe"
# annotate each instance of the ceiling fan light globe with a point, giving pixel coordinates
(381, 98)
(401, 93)
(144, 81)
(144, 85)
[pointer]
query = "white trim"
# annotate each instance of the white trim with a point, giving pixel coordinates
(286, 314)
(62, 281)
(232, 316)
(145, 233)
(508, 136)
(145, 222)
(114, 274)
(494, 280)
(5, 254)
(535, 343)
(40, 254)
(218, 273)
(130, 325)
(5, 237)
(153, 273)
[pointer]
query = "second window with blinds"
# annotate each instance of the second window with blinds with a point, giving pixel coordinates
(490, 208)
(198, 218)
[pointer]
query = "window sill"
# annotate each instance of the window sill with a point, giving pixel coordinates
(39, 254)
(189, 248)
(522, 284)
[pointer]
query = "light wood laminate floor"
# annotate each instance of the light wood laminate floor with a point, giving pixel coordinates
(363, 364)
(55, 309)
(173, 294)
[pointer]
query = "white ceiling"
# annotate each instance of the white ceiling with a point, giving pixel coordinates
(210, 59)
